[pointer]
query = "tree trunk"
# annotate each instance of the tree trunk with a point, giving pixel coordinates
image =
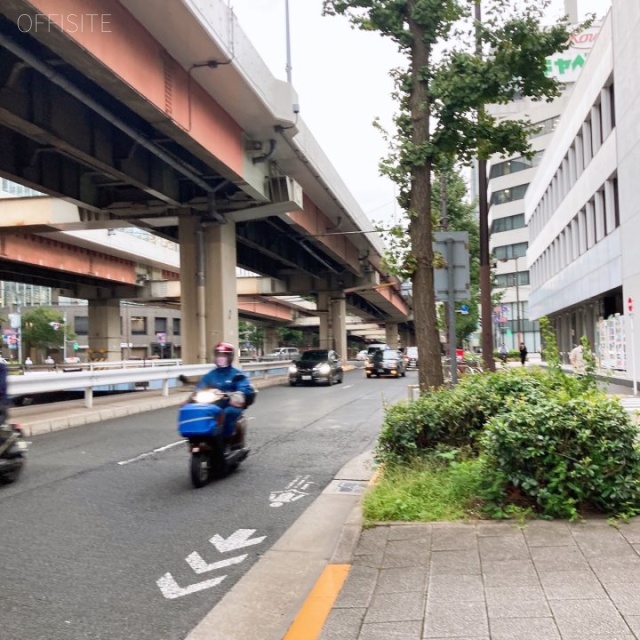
(421, 227)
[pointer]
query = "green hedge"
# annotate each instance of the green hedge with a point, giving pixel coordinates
(547, 441)
(563, 455)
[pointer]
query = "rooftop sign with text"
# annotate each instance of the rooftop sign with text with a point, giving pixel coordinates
(567, 65)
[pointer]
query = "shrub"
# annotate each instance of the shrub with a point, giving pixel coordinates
(451, 417)
(562, 455)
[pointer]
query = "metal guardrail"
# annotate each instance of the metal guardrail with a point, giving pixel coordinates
(89, 379)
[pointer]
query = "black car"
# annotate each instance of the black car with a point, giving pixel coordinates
(316, 365)
(386, 363)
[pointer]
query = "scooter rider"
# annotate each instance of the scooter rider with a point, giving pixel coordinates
(229, 379)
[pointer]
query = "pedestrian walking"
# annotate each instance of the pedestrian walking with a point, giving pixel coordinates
(28, 362)
(576, 358)
(523, 353)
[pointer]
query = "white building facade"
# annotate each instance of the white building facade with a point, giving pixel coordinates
(509, 182)
(583, 206)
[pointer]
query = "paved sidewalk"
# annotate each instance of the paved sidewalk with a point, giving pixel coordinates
(492, 580)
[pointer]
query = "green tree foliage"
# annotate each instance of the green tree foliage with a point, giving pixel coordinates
(43, 328)
(250, 333)
(440, 99)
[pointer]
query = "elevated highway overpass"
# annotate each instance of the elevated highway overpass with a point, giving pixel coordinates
(176, 126)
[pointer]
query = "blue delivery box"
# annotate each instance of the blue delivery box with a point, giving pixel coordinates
(195, 419)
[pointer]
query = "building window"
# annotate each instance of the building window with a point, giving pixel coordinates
(508, 223)
(510, 251)
(509, 195)
(18, 190)
(160, 325)
(138, 326)
(514, 165)
(81, 325)
(545, 126)
(176, 326)
(509, 279)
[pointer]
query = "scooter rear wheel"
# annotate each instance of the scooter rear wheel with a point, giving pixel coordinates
(200, 469)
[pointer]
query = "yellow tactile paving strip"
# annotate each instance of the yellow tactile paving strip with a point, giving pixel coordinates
(316, 608)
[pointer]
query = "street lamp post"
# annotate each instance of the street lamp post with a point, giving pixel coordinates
(518, 327)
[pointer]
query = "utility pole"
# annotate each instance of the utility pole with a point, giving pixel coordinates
(483, 221)
(288, 41)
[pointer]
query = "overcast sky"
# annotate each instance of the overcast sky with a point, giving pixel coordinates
(341, 76)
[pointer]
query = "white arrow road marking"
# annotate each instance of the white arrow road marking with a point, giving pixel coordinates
(146, 455)
(171, 589)
(197, 563)
(237, 540)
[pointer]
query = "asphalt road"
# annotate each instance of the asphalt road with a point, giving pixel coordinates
(103, 536)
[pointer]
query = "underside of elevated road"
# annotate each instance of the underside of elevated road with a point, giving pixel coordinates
(133, 126)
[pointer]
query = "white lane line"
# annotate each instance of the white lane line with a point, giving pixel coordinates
(150, 453)
(347, 386)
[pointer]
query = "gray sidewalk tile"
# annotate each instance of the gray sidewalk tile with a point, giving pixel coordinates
(343, 624)
(617, 575)
(615, 561)
(497, 528)
(517, 602)
(409, 531)
(503, 548)
(396, 607)
(358, 588)
(524, 629)
(401, 580)
(631, 531)
(456, 619)
(455, 588)
(626, 600)
(634, 623)
(581, 619)
(372, 541)
(453, 536)
(371, 547)
(411, 630)
(558, 559)
(572, 585)
(540, 533)
(464, 562)
(506, 573)
(406, 553)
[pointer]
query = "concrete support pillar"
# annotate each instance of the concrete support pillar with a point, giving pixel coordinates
(105, 334)
(192, 351)
(391, 334)
(326, 341)
(406, 338)
(308, 338)
(332, 312)
(221, 293)
(270, 339)
(338, 324)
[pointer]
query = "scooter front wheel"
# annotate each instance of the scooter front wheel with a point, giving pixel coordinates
(200, 469)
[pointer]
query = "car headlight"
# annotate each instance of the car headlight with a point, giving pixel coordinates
(293, 369)
(324, 369)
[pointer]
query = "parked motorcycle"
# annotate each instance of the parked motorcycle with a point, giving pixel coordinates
(201, 422)
(13, 450)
